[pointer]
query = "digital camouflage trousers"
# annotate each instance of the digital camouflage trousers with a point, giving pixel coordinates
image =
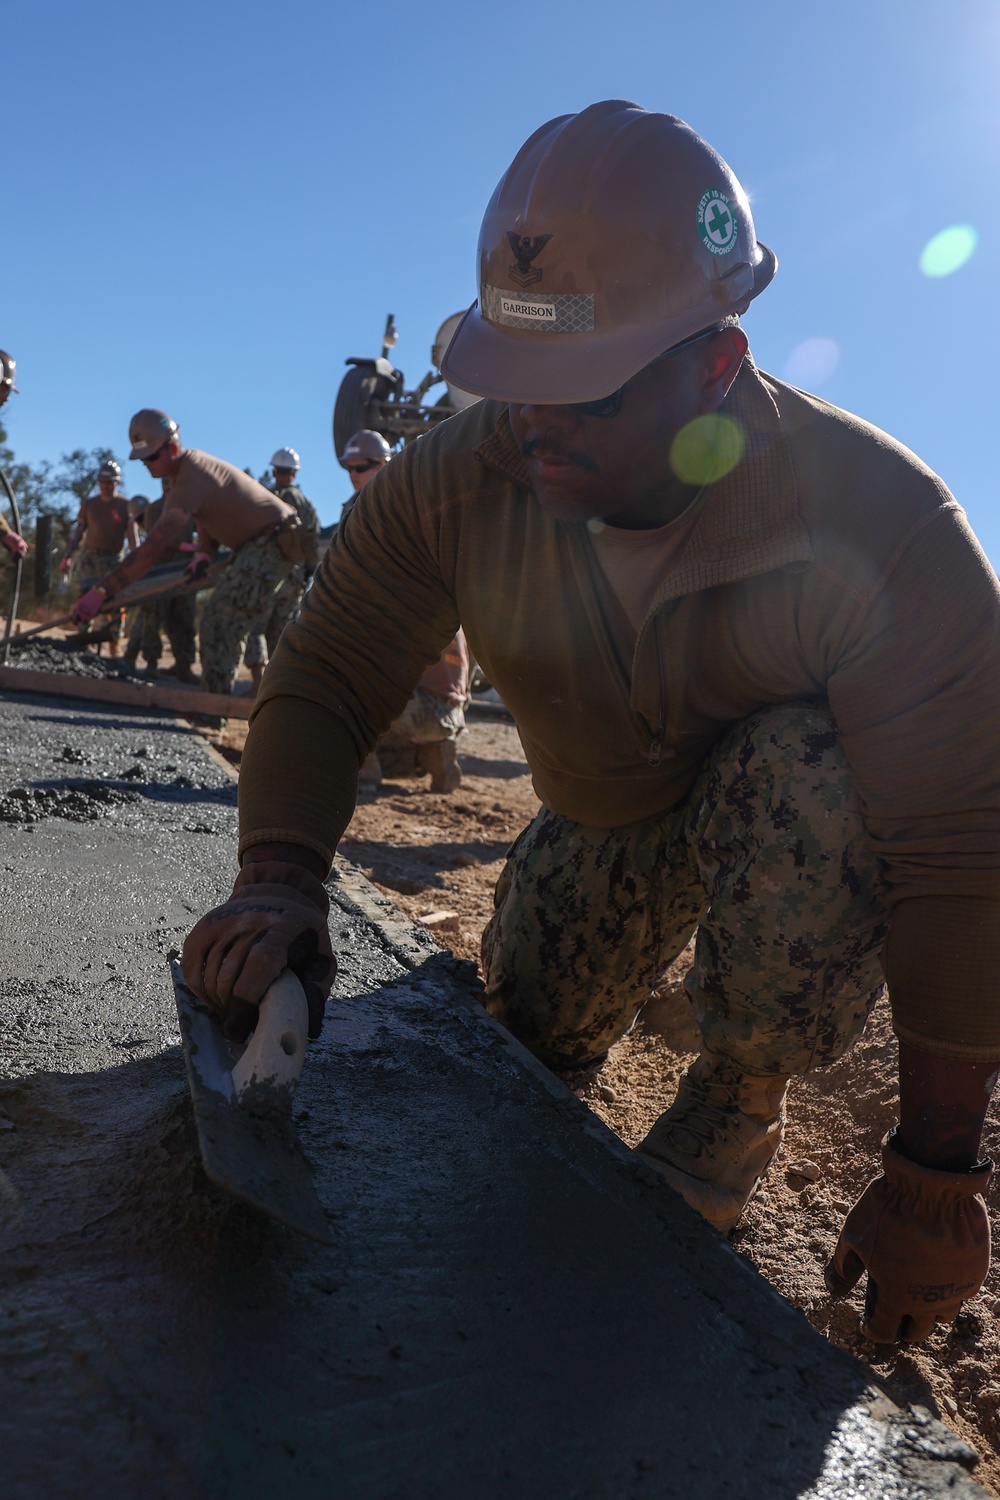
(239, 599)
(767, 861)
(283, 607)
(174, 618)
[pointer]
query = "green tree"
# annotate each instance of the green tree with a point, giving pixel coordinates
(31, 483)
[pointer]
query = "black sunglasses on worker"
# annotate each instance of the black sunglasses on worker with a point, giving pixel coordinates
(610, 406)
(361, 468)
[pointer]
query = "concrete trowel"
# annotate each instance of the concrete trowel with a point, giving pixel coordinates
(243, 1104)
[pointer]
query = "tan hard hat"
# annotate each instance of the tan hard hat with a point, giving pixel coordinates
(614, 234)
(148, 430)
(8, 366)
(366, 444)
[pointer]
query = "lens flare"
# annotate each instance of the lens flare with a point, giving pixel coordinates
(812, 362)
(707, 449)
(948, 251)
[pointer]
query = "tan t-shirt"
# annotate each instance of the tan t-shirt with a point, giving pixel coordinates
(634, 564)
(103, 523)
(228, 507)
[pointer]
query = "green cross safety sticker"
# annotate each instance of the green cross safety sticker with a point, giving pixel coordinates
(717, 222)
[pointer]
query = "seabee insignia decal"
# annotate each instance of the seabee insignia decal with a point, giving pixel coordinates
(525, 249)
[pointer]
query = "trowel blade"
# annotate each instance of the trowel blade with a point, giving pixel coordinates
(257, 1159)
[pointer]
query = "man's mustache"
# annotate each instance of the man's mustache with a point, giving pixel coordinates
(546, 449)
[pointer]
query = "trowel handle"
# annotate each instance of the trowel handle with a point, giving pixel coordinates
(275, 1053)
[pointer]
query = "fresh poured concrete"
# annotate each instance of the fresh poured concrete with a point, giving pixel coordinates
(512, 1307)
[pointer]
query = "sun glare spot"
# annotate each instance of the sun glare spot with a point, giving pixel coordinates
(707, 448)
(948, 251)
(812, 362)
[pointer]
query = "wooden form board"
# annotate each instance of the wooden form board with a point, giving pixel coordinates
(127, 694)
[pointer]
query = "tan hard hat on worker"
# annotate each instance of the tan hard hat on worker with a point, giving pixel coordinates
(366, 444)
(614, 234)
(148, 430)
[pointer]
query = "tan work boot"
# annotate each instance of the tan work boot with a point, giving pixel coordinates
(716, 1140)
(441, 759)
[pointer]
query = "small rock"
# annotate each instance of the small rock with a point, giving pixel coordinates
(440, 921)
(466, 861)
(608, 1094)
(804, 1168)
(950, 1405)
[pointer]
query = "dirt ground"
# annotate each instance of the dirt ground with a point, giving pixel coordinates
(442, 854)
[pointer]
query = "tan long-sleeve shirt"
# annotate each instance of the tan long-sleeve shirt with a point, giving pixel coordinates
(830, 564)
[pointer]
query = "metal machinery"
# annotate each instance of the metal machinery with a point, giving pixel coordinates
(373, 393)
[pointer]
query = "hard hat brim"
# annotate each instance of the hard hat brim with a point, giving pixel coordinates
(522, 366)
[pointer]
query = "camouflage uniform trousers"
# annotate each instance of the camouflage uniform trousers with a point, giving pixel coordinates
(767, 858)
(264, 637)
(239, 599)
(89, 568)
(173, 617)
(426, 720)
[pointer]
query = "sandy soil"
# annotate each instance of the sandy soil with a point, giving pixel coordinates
(436, 854)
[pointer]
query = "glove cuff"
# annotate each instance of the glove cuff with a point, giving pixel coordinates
(274, 872)
(951, 1187)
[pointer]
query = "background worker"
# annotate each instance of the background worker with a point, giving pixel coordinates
(427, 730)
(100, 531)
(174, 616)
(753, 652)
(16, 545)
(284, 606)
(229, 509)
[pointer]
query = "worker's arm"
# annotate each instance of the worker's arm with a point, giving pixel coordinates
(162, 536)
(378, 612)
(916, 694)
(132, 535)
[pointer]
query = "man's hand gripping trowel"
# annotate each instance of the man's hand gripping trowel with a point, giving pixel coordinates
(243, 1103)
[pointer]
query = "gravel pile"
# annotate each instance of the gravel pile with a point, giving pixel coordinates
(79, 802)
(62, 656)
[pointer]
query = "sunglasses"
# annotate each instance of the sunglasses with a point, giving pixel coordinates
(362, 468)
(610, 406)
(152, 457)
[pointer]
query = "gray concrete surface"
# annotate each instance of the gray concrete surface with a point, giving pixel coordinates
(512, 1306)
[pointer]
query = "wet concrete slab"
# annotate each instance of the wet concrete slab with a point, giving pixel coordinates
(512, 1306)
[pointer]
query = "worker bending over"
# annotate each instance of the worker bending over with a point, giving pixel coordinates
(753, 652)
(229, 509)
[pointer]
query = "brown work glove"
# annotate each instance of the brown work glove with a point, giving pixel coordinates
(923, 1236)
(275, 919)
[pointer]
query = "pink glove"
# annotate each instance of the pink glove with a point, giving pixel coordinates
(188, 547)
(197, 567)
(65, 565)
(88, 605)
(16, 545)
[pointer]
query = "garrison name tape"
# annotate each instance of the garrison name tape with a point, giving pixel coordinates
(560, 312)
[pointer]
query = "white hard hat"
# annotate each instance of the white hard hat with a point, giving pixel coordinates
(285, 458)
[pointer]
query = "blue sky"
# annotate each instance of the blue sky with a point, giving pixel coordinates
(208, 207)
